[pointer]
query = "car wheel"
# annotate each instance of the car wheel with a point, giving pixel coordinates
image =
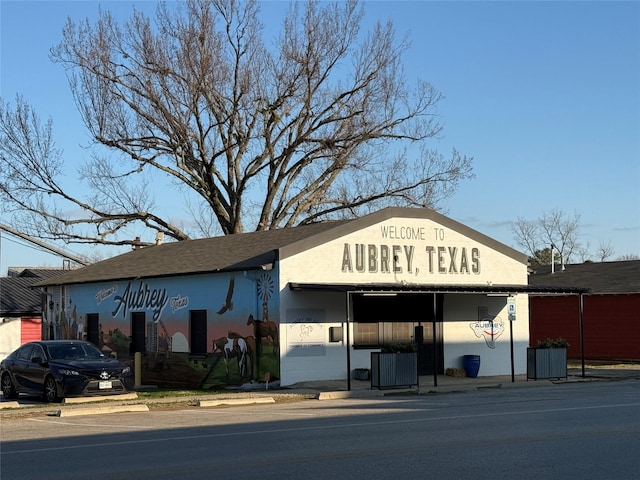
(50, 394)
(8, 390)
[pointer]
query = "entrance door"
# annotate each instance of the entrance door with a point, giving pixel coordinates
(138, 327)
(198, 331)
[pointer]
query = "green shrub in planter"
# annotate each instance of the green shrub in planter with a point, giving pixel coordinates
(552, 343)
(399, 348)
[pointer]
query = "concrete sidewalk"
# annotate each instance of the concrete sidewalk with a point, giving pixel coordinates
(426, 385)
(321, 390)
(445, 384)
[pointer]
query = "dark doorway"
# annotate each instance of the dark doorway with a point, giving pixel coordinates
(93, 329)
(138, 327)
(198, 331)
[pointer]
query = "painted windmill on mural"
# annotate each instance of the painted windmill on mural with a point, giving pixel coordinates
(265, 329)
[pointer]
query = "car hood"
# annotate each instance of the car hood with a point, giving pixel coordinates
(109, 364)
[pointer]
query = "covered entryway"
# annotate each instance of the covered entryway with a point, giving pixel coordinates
(397, 318)
(378, 314)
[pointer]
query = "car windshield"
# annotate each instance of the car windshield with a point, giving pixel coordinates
(69, 351)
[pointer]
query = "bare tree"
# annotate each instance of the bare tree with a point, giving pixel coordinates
(323, 125)
(554, 230)
(605, 250)
(583, 251)
(527, 236)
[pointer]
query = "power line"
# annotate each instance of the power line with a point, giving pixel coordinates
(43, 245)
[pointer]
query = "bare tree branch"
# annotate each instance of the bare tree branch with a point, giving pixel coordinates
(553, 230)
(323, 125)
(605, 250)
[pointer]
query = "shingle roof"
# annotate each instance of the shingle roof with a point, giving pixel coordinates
(17, 295)
(247, 250)
(41, 273)
(17, 298)
(601, 277)
(231, 252)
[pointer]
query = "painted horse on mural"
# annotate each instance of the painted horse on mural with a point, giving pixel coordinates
(264, 329)
(233, 346)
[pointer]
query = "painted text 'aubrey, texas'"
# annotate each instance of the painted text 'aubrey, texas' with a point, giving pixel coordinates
(371, 258)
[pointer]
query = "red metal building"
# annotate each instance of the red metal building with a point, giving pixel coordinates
(610, 311)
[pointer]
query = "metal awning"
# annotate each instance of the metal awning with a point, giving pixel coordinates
(415, 288)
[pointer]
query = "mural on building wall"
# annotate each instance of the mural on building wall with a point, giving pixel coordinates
(205, 331)
(306, 332)
(490, 328)
(57, 324)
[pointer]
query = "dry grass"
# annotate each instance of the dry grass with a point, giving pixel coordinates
(456, 372)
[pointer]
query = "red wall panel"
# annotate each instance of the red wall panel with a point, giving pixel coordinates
(611, 324)
(30, 329)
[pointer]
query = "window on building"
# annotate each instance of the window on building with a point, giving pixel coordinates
(365, 334)
(93, 329)
(375, 334)
(198, 331)
(138, 332)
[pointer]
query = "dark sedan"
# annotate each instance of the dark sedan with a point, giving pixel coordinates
(56, 369)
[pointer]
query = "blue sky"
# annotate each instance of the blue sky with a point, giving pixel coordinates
(544, 95)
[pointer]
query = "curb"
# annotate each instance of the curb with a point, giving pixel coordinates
(74, 412)
(234, 401)
(338, 394)
(9, 405)
(124, 396)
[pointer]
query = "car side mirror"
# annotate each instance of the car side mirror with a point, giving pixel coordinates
(37, 360)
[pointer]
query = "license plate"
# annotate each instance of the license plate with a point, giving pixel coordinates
(105, 385)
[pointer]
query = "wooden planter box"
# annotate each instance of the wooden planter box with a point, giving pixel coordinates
(390, 370)
(546, 363)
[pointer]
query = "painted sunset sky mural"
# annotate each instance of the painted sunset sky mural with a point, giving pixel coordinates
(200, 331)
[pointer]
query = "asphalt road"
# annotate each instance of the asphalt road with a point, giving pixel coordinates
(582, 430)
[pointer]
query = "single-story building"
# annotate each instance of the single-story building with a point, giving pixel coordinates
(610, 310)
(22, 307)
(307, 303)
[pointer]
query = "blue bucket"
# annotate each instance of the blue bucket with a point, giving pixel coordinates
(471, 364)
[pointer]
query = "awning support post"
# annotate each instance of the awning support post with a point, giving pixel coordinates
(581, 309)
(348, 342)
(435, 340)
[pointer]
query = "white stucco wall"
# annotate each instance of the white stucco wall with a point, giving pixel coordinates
(306, 354)
(467, 332)
(9, 335)
(433, 255)
(401, 251)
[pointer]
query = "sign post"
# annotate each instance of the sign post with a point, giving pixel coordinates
(511, 311)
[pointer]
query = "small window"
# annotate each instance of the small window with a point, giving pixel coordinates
(198, 331)
(335, 334)
(365, 334)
